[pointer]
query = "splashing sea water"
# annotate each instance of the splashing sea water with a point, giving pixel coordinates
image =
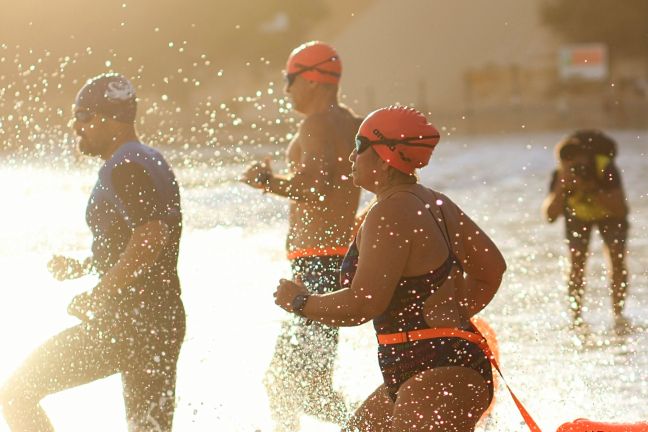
(232, 256)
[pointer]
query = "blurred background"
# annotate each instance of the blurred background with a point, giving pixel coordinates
(208, 72)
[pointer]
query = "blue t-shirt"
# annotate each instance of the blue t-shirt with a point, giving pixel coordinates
(136, 186)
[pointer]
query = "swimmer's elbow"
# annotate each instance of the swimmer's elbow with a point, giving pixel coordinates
(357, 321)
(368, 310)
(550, 216)
(503, 266)
(497, 264)
(551, 209)
(497, 275)
(501, 270)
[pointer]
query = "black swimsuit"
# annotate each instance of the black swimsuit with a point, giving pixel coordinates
(399, 362)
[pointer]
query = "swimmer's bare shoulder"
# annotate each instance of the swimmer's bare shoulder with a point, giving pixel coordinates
(351, 118)
(315, 126)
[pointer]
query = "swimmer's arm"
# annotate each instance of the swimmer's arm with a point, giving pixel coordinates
(142, 250)
(483, 264)
(149, 235)
(384, 250)
(614, 200)
(297, 187)
(260, 176)
(553, 206)
(343, 308)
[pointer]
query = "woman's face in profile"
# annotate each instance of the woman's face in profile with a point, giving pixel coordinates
(364, 168)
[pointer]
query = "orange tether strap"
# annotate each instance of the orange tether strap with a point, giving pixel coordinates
(315, 252)
(476, 338)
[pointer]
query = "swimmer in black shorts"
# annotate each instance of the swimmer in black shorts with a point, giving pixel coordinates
(323, 204)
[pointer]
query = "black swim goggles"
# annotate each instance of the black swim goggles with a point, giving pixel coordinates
(362, 143)
(290, 77)
(83, 115)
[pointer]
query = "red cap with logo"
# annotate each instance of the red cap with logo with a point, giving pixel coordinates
(315, 61)
(401, 136)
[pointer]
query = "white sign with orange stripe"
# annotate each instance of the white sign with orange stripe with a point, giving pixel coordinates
(584, 61)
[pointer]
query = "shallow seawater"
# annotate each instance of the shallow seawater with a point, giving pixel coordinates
(232, 257)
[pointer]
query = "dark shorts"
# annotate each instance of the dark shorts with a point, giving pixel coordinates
(142, 346)
(305, 347)
(400, 362)
(578, 233)
(319, 274)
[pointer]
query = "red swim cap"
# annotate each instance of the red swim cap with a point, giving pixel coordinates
(315, 61)
(401, 136)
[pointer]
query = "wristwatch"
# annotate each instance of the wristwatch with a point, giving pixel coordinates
(299, 303)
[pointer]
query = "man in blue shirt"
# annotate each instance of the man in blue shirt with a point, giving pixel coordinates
(133, 321)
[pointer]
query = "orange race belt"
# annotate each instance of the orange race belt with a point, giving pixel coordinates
(476, 338)
(317, 252)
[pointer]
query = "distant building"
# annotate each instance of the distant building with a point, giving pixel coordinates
(469, 63)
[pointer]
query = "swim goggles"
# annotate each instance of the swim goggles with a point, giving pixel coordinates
(83, 115)
(362, 143)
(290, 77)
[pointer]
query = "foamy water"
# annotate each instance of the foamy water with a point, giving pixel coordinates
(232, 256)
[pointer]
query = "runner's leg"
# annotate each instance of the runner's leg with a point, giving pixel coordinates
(74, 357)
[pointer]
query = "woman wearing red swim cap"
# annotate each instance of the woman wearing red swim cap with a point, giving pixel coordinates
(420, 268)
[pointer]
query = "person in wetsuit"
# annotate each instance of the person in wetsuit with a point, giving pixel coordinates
(420, 268)
(587, 190)
(133, 321)
(323, 204)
